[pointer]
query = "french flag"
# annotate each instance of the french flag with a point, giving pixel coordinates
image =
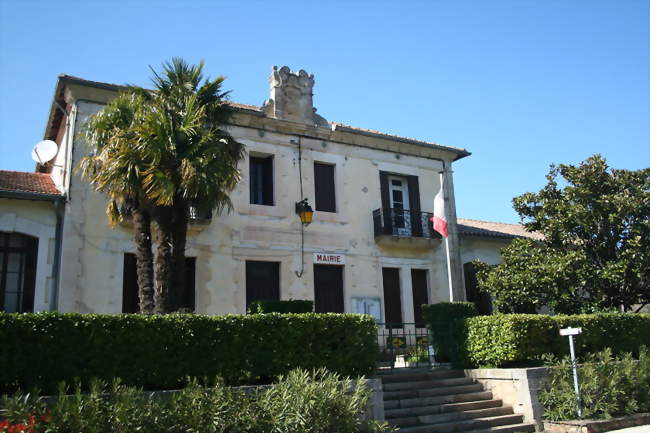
(439, 219)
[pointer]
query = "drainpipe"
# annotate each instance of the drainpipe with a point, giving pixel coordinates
(59, 207)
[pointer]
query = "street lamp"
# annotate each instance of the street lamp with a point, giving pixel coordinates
(304, 211)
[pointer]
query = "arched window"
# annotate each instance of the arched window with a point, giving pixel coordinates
(17, 272)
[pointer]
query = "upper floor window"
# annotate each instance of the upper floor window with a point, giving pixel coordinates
(324, 187)
(261, 180)
(17, 272)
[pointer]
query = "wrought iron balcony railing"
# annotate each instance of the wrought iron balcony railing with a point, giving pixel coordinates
(403, 223)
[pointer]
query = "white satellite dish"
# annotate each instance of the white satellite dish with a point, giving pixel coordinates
(44, 151)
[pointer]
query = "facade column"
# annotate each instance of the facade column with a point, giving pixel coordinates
(457, 277)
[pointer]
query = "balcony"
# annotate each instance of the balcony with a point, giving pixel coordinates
(393, 224)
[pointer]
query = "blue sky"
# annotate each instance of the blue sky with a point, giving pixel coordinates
(521, 84)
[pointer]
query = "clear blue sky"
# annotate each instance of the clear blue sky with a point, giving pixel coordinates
(521, 84)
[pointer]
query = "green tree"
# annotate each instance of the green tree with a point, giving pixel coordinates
(116, 168)
(596, 246)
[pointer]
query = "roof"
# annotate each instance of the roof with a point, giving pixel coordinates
(256, 109)
(490, 229)
(22, 184)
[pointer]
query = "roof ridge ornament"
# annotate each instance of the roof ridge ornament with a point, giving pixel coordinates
(291, 97)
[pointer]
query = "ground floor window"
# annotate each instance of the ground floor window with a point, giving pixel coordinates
(482, 300)
(328, 289)
(18, 254)
(392, 295)
(184, 301)
(262, 281)
(420, 294)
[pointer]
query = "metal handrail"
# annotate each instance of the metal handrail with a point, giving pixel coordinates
(403, 223)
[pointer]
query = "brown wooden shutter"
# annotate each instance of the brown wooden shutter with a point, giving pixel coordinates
(414, 201)
(262, 281)
(324, 187)
(385, 203)
(268, 181)
(328, 289)
(420, 294)
(130, 293)
(392, 295)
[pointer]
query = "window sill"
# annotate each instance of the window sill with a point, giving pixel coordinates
(263, 210)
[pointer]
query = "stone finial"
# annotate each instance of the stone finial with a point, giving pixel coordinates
(292, 97)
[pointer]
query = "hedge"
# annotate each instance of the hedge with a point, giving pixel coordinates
(289, 306)
(439, 317)
(520, 339)
(160, 352)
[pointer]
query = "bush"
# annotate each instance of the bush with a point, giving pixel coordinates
(302, 402)
(524, 339)
(159, 352)
(439, 318)
(290, 306)
(609, 387)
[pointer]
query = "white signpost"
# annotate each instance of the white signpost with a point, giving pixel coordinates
(570, 332)
(329, 259)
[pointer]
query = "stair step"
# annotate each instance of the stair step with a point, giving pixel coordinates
(465, 425)
(413, 393)
(451, 416)
(418, 377)
(426, 384)
(514, 428)
(396, 412)
(442, 399)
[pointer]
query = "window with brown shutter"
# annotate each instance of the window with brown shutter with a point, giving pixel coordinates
(328, 289)
(18, 254)
(325, 188)
(261, 180)
(262, 281)
(392, 295)
(420, 294)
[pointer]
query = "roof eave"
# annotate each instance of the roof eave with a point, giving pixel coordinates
(25, 195)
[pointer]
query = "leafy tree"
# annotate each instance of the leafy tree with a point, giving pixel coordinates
(596, 246)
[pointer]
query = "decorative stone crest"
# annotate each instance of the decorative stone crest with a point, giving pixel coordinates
(292, 97)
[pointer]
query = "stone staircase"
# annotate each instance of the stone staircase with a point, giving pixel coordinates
(442, 401)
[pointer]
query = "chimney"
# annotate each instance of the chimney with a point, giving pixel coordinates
(292, 97)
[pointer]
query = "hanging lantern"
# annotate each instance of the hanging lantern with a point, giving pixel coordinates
(304, 211)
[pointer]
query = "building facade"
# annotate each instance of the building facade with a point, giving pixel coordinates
(370, 247)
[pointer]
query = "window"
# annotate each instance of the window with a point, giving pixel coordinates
(324, 187)
(262, 281)
(17, 272)
(392, 295)
(420, 294)
(261, 180)
(328, 289)
(131, 293)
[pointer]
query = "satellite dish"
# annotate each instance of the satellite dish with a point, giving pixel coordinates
(44, 151)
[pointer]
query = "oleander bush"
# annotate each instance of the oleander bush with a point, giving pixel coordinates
(161, 351)
(524, 339)
(289, 306)
(439, 318)
(301, 402)
(609, 386)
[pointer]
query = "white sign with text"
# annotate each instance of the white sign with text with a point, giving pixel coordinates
(329, 259)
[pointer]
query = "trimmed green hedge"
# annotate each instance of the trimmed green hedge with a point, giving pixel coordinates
(439, 318)
(520, 339)
(160, 352)
(284, 307)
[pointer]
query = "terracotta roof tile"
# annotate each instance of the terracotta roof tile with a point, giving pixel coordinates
(33, 183)
(492, 229)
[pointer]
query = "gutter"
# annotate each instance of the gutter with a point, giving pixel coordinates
(59, 208)
(25, 195)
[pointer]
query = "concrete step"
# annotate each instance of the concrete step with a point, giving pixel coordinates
(514, 428)
(451, 416)
(396, 412)
(414, 393)
(420, 376)
(465, 425)
(425, 384)
(436, 401)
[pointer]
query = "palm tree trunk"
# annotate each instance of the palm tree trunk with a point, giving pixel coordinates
(144, 259)
(163, 275)
(180, 241)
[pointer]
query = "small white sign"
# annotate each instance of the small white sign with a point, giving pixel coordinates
(329, 259)
(570, 331)
(371, 306)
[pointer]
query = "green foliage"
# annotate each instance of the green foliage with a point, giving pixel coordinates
(301, 402)
(439, 318)
(596, 247)
(525, 339)
(609, 387)
(159, 352)
(291, 306)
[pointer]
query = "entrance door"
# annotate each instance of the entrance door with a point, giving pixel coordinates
(328, 289)
(399, 202)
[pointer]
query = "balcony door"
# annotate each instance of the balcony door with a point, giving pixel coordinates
(399, 201)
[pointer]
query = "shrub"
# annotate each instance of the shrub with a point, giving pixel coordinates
(439, 318)
(524, 339)
(290, 306)
(302, 402)
(609, 387)
(159, 352)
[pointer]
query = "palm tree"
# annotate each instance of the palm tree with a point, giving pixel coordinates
(193, 161)
(116, 168)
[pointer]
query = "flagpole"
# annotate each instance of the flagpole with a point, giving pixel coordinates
(449, 276)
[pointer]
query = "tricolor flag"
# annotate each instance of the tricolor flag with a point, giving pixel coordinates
(439, 219)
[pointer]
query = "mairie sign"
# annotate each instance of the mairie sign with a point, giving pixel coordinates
(329, 259)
